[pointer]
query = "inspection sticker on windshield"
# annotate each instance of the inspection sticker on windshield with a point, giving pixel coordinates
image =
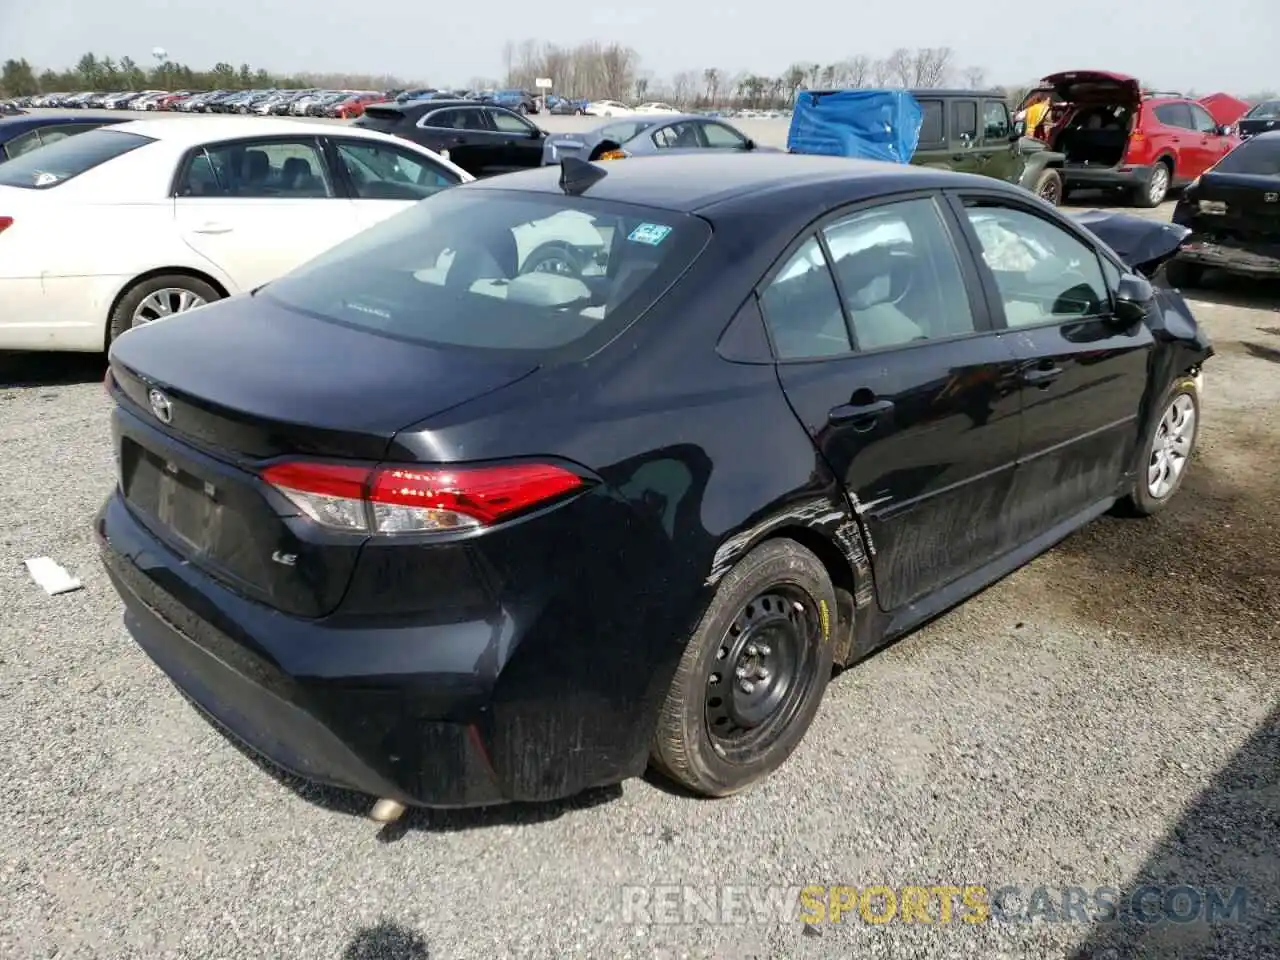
(650, 233)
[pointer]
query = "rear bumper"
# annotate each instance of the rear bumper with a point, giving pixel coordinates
(1125, 175)
(429, 714)
(1262, 260)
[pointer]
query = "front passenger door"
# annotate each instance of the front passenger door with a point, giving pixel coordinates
(967, 154)
(1083, 373)
(519, 142)
(886, 355)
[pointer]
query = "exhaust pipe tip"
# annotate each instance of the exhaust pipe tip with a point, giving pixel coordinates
(387, 811)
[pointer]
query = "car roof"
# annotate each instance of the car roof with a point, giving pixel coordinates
(690, 182)
(192, 131)
(424, 105)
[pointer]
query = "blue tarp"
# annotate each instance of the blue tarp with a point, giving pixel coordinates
(864, 124)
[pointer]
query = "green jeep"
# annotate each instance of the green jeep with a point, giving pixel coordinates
(970, 131)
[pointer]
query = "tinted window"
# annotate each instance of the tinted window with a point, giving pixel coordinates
(509, 123)
(465, 119)
(1043, 272)
(1174, 115)
(899, 275)
(1267, 110)
(285, 169)
(59, 162)
(931, 123)
(964, 115)
(802, 309)
(677, 136)
(720, 137)
(1201, 119)
(500, 271)
(995, 120)
(1258, 157)
(382, 172)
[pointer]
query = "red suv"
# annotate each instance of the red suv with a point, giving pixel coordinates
(1114, 134)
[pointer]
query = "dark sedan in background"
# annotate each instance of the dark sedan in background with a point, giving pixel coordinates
(504, 534)
(482, 138)
(1233, 212)
(28, 132)
(652, 135)
(1261, 118)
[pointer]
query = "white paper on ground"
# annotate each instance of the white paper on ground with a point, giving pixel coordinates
(51, 577)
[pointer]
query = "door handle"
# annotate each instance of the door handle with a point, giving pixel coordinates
(1175, 140)
(213, 228)
(459, 139)
(861, 416)
(1042, 376)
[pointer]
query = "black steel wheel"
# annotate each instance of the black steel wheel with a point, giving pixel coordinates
(753, 674)
(1049, 187)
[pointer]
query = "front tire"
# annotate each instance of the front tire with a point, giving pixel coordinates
(156, 298)
(1167, 448)
(1182, 275)
(753, 674)
(1049, 187)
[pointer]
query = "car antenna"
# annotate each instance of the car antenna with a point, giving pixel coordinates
(577, 176)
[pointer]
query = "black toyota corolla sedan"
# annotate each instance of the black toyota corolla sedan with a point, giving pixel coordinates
(452, 520)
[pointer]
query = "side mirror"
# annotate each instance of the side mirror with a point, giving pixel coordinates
(1134, 296)
(749, 145)
(1226, 130)
(537, 133)
(1019, 130)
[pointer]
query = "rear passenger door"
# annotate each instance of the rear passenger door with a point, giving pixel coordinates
(968, 155)
(886, 353)
(1083, 374)
(257, 208)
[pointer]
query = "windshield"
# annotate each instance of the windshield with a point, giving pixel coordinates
(58, 162)
(1259, 157)
(499, 270)
(1267, 110)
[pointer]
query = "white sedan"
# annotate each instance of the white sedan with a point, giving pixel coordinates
(655, 107)
(608, 108)
(112, 228)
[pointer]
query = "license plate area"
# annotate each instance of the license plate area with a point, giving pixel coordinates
(188, 507)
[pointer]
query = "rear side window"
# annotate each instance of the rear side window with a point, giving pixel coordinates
(802, 308)
(1174, 115)
(499, 270)
(59, 162)
(931, 124)
(1259, 157)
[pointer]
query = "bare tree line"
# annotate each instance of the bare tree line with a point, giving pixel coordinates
(613, 71)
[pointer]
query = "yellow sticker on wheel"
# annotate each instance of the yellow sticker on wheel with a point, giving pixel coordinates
(825, 616)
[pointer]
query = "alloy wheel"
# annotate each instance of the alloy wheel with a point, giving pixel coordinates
(1171, 446)
(1159, 185)
(165, 303)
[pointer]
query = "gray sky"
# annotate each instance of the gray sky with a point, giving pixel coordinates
(1207, 45)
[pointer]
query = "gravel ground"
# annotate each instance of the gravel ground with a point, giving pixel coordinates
(1108, 716)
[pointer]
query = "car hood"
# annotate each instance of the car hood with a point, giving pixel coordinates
(1144, 245)
(1085, 86)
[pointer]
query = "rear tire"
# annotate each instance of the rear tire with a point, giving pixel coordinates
(1168, 445)
(1182, 275)
(126, 315)
(1155, 189)
(753, 674)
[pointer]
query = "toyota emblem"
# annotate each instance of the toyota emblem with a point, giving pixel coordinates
(1270, 197)
(161, 406)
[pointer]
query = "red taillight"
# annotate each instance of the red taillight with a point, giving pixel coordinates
(5, 223)
(408, 499)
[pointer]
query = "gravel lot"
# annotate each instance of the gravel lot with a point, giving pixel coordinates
(1109, 715)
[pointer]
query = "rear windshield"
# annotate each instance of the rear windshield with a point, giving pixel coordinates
(58, 162)
(1259, 157)
(1267, 110)
(499, 270)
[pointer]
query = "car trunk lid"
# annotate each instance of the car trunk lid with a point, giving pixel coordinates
(1081, 87)
(1239, 207)
(198, 419)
